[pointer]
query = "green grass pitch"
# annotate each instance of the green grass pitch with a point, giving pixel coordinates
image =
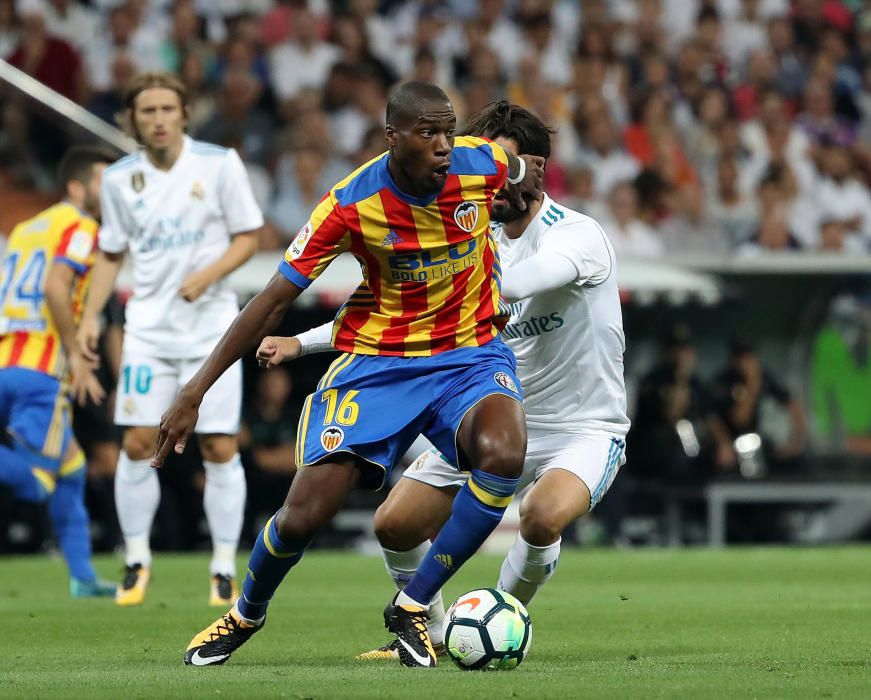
(742, 623)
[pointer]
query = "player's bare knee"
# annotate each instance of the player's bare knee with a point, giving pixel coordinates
(499, 456)
(392, 533)
(540, 527)
(138, 444)
(218, 448)
(298, 524)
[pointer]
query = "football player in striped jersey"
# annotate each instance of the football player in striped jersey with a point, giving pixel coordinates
(45, 274)
(420, 354)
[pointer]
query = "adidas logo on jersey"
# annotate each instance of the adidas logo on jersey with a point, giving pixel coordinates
(446, 560)
(392, 238)
(552, 215)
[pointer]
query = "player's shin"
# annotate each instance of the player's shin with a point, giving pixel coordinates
(527, 568)
(477, 510)
(224, 502)
(69, 518)
(271, 559)
(137, 495)
(402, 566)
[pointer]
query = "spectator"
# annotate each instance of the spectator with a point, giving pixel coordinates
(353, 42)
(760, 77)
(121, 35)
(630, 235)
(744, 34)
(545, 47)
(379, 32)
(201, 98)
(835, 239)
(818, 119)
(702, 134)
(365, 109)
(747, 396)
(242, 53)
(296, 196)
(49, 59)
(730, 210)
(709, 35)
(260, 178)
(374, 144)
(237, 116)
(603, 156)
(109, 103)
(185, 38)
(773, 235)
(37, 137)
(303, 62)
(675, 426)
(791, 71)
(842, 197)
(72, 21)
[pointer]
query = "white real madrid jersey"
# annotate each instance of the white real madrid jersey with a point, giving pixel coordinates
(173, 223)
(568, 341)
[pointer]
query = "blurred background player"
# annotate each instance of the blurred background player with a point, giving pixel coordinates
(421, 328)
(185, 212)
(45, 274)
(566, 331)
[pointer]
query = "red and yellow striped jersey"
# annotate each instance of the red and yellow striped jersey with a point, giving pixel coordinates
(28, 337)
(430, 267)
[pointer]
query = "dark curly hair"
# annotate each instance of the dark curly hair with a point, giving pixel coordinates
(510, 121)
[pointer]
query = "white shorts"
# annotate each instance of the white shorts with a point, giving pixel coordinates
(593, 458)
(147, 385)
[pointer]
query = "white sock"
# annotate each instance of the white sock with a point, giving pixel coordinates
(224, 502)
(137, 494)
(526, 568)
(244, 619)
(401, 567)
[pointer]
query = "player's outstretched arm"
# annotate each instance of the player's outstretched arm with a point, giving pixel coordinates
(242, 247)
(260, 316)
(103, 276)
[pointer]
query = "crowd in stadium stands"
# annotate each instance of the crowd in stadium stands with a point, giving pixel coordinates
(683, 126)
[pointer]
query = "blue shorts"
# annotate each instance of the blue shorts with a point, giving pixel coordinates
(374, 406)
(35, 414)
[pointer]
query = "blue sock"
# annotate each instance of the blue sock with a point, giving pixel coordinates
(24, 474)
(70, 521)
(269, 563)
(477, 510)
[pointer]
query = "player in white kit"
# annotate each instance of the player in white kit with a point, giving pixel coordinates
(185, 213)
(566, 331)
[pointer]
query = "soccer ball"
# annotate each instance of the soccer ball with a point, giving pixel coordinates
(487, 629)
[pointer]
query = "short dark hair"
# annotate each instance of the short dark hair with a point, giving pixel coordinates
(79, 161)
(409, 99)
(510, 121)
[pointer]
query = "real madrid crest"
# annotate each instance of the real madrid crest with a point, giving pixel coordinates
(466, 216)
(137, 181)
